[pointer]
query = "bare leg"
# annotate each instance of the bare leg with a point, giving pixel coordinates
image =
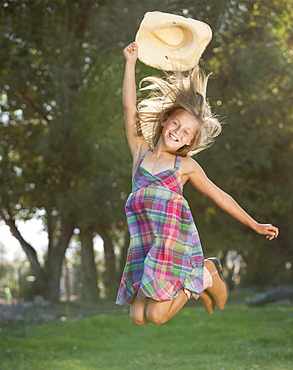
(138, 311)
(160, 312)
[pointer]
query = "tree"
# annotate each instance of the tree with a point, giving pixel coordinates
(46, 67)
(42, 75)
(252, 87)
(62, 121)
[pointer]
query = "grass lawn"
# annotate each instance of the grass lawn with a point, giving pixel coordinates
(236, 338)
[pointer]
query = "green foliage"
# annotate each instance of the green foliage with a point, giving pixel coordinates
(252, 159)
(62, 141)
(237, 337)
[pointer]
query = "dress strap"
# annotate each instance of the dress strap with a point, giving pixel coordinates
(143, 157)
(177, 162)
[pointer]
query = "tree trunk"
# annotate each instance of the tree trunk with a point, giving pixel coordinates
(89, 278)
(56, 253)
(109, 278)
(36, 270)
(277, 294)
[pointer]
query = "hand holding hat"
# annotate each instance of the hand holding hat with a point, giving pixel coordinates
(167, 41)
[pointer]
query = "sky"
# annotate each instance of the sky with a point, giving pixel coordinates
(32, 231)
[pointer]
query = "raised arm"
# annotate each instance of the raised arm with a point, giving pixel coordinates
(199, 180)
(129, 99)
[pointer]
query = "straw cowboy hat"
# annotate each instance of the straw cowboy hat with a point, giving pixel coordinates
(167, 41)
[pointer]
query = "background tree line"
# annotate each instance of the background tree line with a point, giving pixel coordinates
(63, 153)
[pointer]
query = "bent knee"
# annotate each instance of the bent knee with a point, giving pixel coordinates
(157, 319)
(138, 320)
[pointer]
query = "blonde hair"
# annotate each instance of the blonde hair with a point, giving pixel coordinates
(171, 95)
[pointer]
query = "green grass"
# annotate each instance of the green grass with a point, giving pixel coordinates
(235, 338)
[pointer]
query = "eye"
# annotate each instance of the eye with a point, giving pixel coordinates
(186, 132)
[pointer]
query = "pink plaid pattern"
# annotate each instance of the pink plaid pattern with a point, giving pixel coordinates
(165, 253)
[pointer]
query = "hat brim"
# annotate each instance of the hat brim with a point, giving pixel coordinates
(168, 42)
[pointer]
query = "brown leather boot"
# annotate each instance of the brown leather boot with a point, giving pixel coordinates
(219, 291)
(208, 302)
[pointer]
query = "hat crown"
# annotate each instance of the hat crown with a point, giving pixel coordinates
(173, 39)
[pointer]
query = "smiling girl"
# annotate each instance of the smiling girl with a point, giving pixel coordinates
(165, 264)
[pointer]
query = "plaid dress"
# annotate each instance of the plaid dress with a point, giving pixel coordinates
(165, 253)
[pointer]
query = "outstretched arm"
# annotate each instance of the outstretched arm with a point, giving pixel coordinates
(199, 180)
(129, 99)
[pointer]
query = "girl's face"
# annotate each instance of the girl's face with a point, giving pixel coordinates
(179, 130)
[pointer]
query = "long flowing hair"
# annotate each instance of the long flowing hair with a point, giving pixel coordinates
(174, 93)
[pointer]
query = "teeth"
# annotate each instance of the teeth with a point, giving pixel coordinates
(173, 137)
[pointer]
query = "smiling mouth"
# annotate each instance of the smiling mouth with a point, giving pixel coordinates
(173, 137)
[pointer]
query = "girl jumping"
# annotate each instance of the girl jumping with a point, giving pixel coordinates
(165, 264)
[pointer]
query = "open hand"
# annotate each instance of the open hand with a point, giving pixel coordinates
(131, 52)
(270, 231)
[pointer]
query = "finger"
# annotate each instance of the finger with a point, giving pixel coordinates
(273, 230)
(276, 232)
(273, 235)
